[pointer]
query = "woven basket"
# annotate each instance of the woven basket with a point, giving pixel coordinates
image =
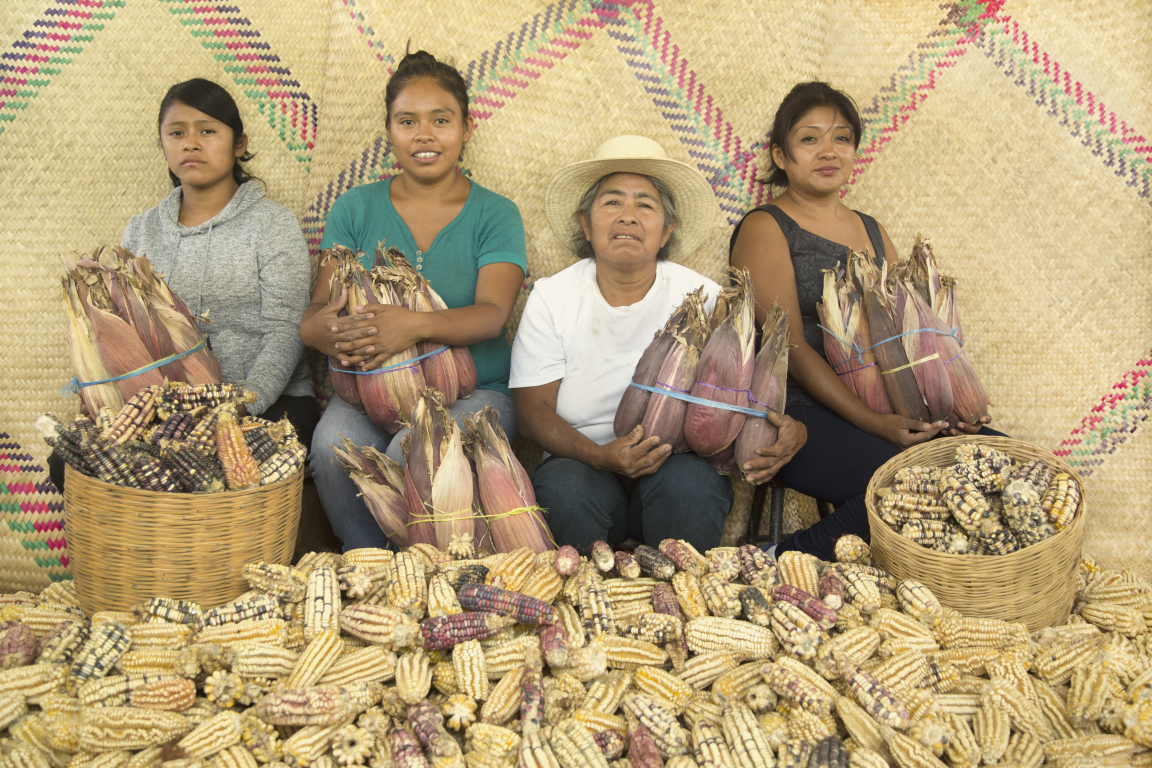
(129, 545)
(1035, 586)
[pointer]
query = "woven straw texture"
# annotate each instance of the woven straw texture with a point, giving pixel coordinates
(33, 553)
(129, 545)
(1034, 586)
(1017, 135)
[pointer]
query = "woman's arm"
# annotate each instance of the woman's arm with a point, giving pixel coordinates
(321, 327)
(397, 329)
(537, 419)
(762, 249)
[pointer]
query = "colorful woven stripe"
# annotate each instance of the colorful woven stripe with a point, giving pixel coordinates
(32, 515)
(1119, 414)
(370, 34)
(42, 52)
(1119, 146)
(264, 77)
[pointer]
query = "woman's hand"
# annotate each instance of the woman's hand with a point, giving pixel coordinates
(790, 437)
(967, 429)
(632, 455)
(904, 433)
(396, 330)
(325, 330)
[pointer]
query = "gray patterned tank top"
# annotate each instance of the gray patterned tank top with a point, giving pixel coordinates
(811, 255)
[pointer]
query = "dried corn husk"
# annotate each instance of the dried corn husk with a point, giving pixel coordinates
(724, 373)
(506, 493)
(120, 311)
(885, 321)
(452, 372)
(387, 397)
(920, 346)
(769, 382)
(381, 484)
(437, 477)
(664, 415)
(846, 340)
(630, 411)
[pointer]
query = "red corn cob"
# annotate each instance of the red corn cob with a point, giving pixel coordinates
(810, 604)
(447, 631)
(831, 587)
(525, 609)
(406, 752)
(642, 750)
(567, 560)
(682, 557)
(626, 565)
(554, 645)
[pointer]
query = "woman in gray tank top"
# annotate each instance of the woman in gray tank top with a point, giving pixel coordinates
(786, 245)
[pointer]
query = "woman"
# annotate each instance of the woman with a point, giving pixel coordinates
(785, 246)
(624, 212)
(231, 254)
(467, 241)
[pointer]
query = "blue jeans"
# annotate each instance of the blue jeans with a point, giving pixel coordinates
(685, 499)
(351, 521)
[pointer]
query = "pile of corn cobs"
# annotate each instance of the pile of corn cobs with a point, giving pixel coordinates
(179, 438)
(457, 658)
(984, 504)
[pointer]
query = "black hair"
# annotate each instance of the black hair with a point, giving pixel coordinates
(423, 64)
(802, 99)
(579, 240)
(214, 101)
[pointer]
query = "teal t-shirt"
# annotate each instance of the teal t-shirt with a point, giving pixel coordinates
(488, 230)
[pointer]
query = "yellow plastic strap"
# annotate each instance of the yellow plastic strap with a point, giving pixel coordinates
(933, 356)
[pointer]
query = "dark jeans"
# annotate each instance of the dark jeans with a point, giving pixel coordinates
(685, 499)
(301, 411)
(835, 465)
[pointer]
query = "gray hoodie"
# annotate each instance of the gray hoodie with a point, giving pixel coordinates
(248, 269)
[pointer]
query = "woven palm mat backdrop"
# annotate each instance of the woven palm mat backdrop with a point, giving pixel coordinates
(1017, 135)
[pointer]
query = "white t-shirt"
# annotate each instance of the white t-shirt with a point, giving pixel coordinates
(569, 332)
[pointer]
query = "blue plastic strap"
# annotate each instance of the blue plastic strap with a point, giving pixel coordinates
(398, 366)
(73, 387)
(702, 401)
(857, 351)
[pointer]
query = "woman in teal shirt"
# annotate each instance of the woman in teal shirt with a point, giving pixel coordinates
(466, 240)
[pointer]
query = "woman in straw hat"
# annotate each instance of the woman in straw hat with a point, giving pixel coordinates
(785, 246)
(624, 212)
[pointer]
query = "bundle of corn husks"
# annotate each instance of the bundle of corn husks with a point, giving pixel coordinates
(389, 393)
(768, 389)
(452, 371)
(122, 317)
(846, 340)
(911, 327)
(724, 373)
(985, 504)
(452, 483)
(457, 658)
(179, 438)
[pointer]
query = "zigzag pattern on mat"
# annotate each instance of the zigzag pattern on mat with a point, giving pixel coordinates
(32, 543)
(1119, 414)
(261, 74)
(42, 52)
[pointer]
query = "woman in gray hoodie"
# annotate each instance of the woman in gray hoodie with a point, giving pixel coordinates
(231, 254)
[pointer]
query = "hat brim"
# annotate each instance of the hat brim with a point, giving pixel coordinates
(695, 202)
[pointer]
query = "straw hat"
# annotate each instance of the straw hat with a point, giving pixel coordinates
(696, 205)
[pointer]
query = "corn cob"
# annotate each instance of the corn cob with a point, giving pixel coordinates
(108, 461)
(413, 676)
(625, 564)
(605, 693)
(513, 571)
(213, 735)
(195, 471)
(721, 597)
(710, 749)
(503, 701)
(909, 753)
(712, 633)
(254, 608)
(1060, 500)
(874, 698)
(701, 708)
(318, 705)
(798, 633)
(596, 613)
(96, 657)
(287, 461)
(320, 654)
(240, 468)
(807, 726)
(799, 570)
(755, 567)
(544, 584)
(445, 632)
(787, 683)
(152, 475)
(724, 562)
(968, 506)
(1115, 617)
(808, 603)
(669, 737)
(754, 606)
(689, 595)
(524, 609)
(642, 750)
(280, 581)
(653, 564)
(602, 556)
(684, 556)
(597, 722)
(133, 417)
(861, 591)
(611, 743)
(471, 671)
(104, 729)
(627, 653)
(407, 585)
(380, 625)
(566, 561)
(967, 632)
(661, 685)
(562, 695)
